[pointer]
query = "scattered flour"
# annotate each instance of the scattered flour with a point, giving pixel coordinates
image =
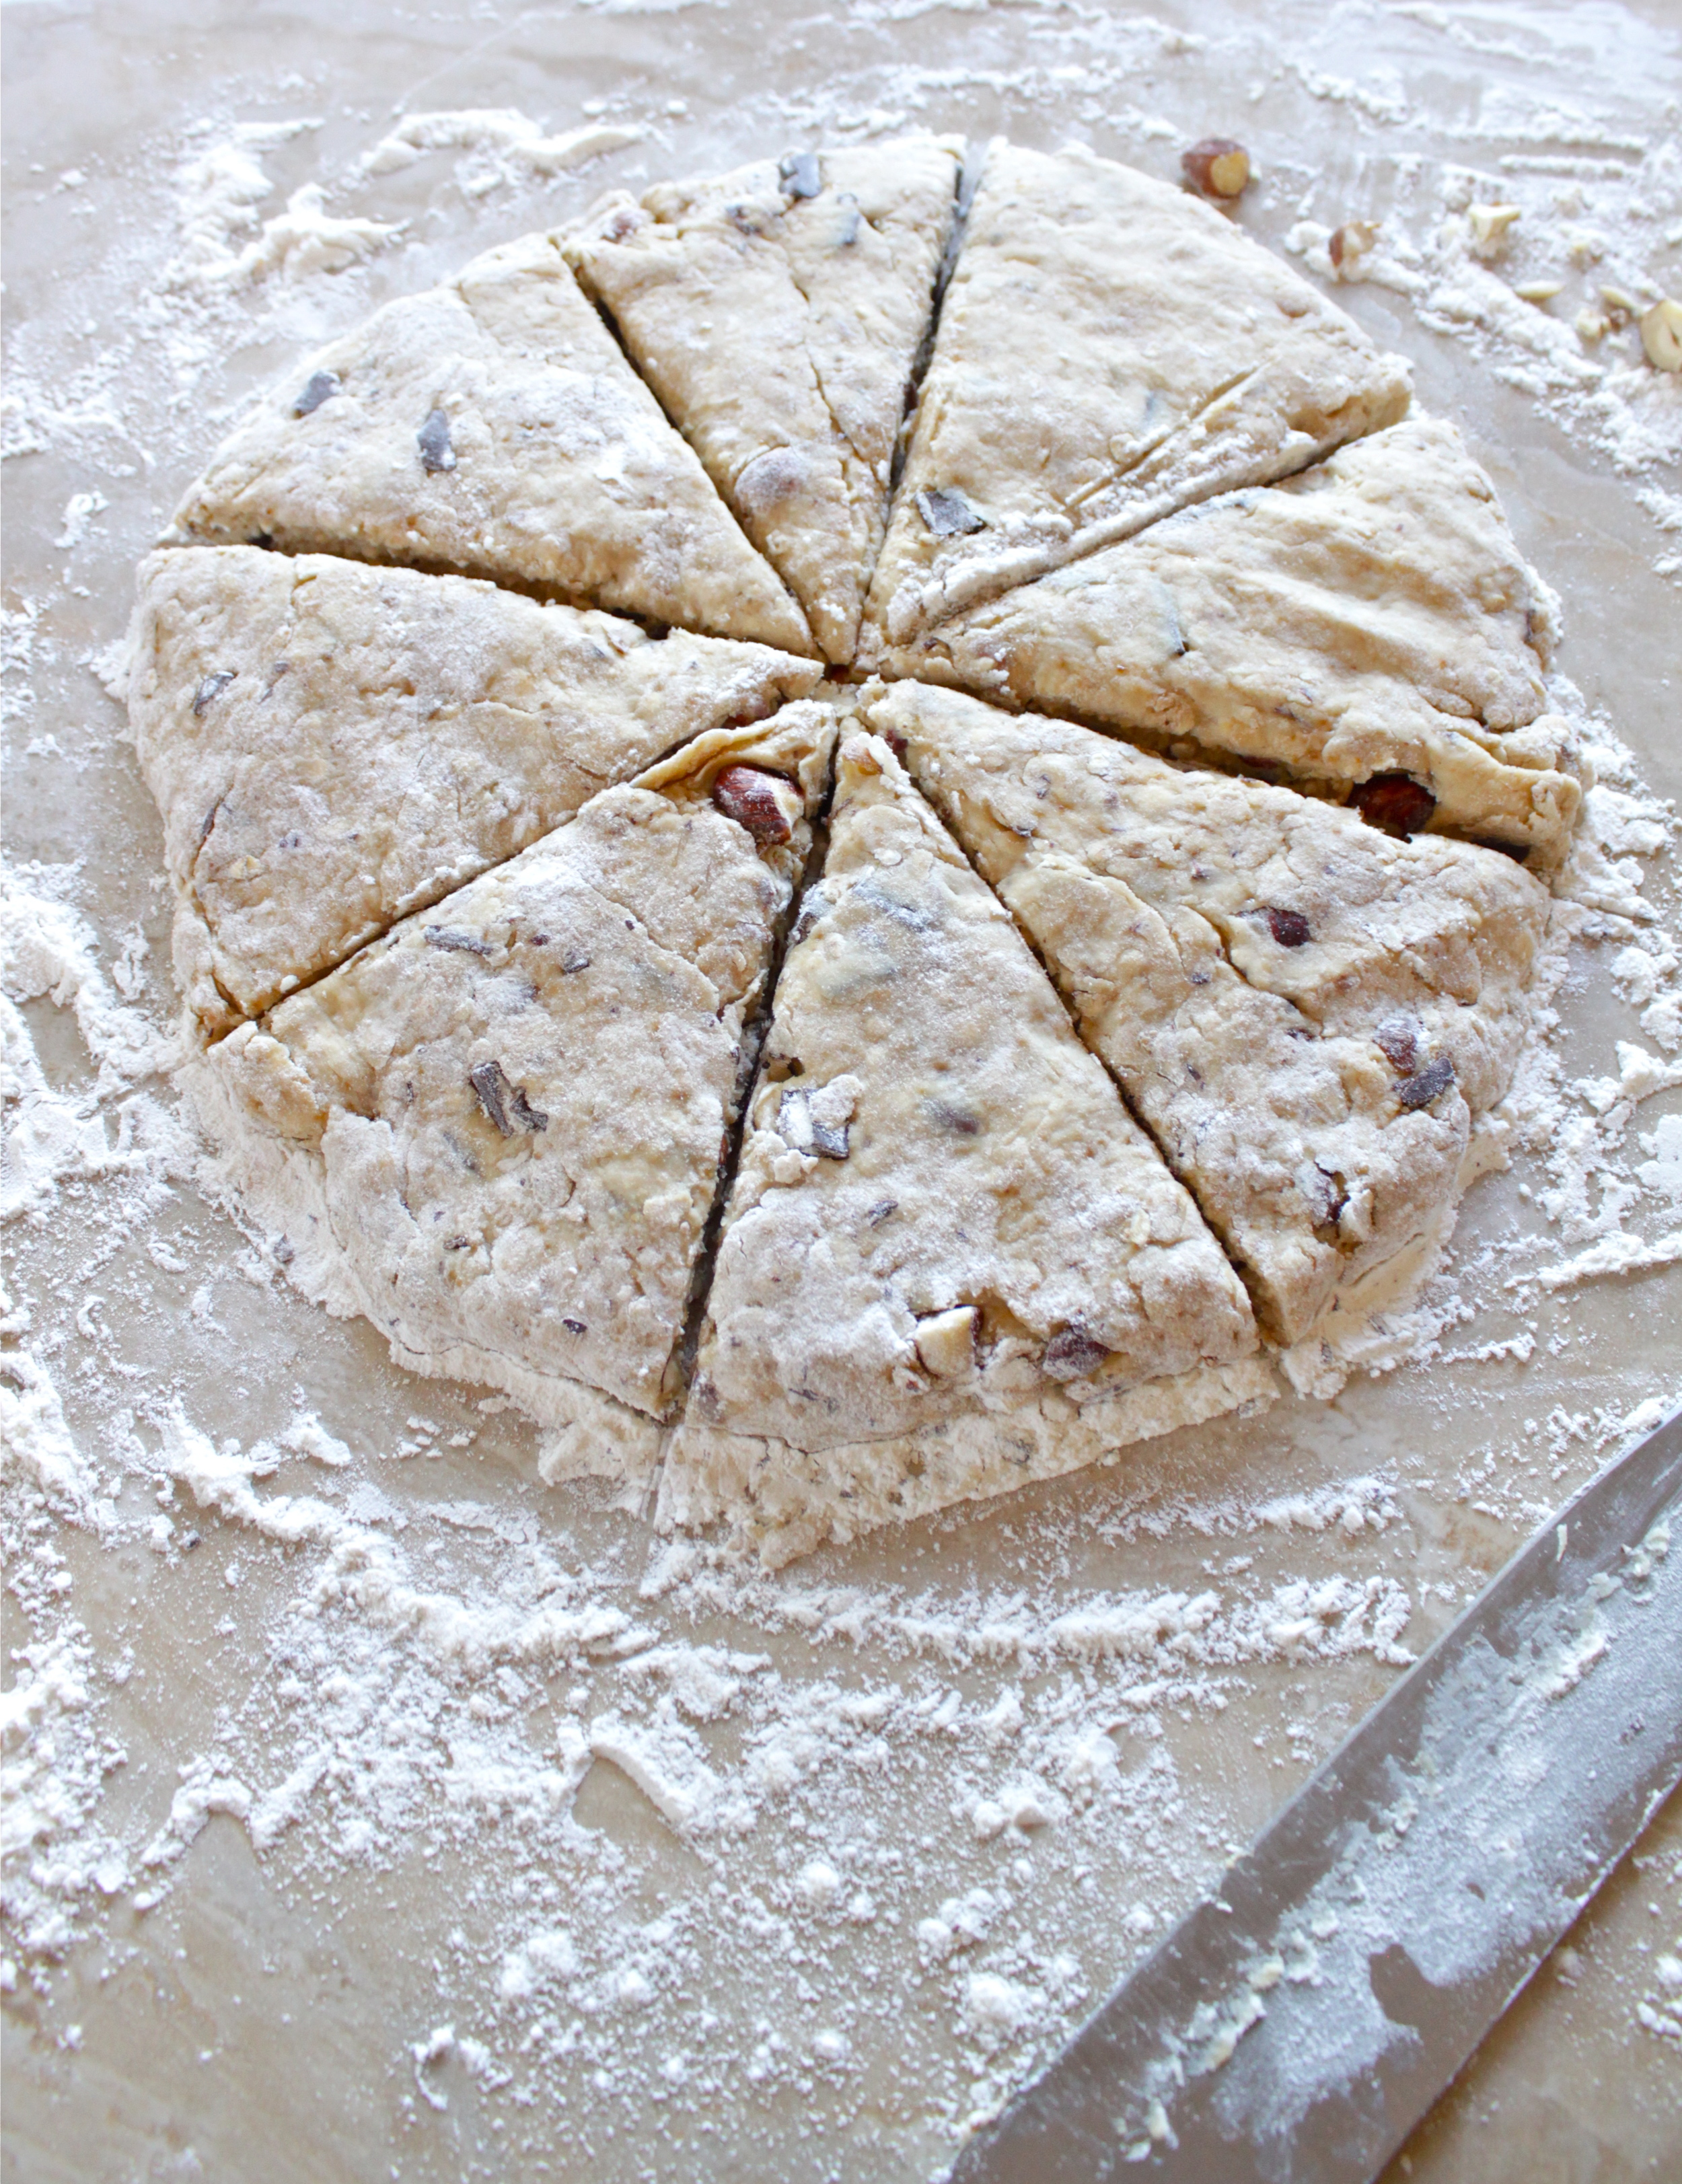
(904, 1797)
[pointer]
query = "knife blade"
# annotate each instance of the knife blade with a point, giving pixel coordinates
(1295, 2025)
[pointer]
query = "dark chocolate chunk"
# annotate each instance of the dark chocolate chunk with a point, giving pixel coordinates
(575, 1327)
(883, 1210)
(948, 514)
(320, 386)
(1393, 802)
(464, 944)
(799, 174)
(1073, 1354)
(1434, 1079)
(433, 441)
(747, 795)
(505, 1105)
(1397, 1038)
(958, 1120)
(212, 687)
(1290, 928)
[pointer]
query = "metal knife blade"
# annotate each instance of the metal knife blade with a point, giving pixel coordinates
(1295, 2026)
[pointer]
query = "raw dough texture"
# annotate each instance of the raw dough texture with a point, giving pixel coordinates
(333, 745)
(1109, 350)
(943, 1207)
(1372, 616)
(777, 312)
(1306, 1014)
(508, 1114)
(492, 426)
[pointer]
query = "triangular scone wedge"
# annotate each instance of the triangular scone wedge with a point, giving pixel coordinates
(950, 1260)
(334, 745)
(1109, 350)
(1370, 625)
(497, 1131)
(1307, 1015)
(777, 312)
(492, 426)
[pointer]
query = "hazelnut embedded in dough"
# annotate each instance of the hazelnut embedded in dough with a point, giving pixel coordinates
(945, 1342)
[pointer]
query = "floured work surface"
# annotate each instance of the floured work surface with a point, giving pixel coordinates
(970, 1787)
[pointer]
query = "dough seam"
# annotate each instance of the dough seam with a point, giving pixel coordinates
(617, 337)
(450, 887)
(680, 1369)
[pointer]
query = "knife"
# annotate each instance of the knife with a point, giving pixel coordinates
(1296, 2025)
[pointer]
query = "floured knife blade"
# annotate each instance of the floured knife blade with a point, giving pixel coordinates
(1295, 2026)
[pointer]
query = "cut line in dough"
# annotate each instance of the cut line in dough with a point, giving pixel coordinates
(1368, 628)
(497, 1131)
(1309, 1016)
(491, 426)
(944, 1209)
(1109, 350)
(776, 311)
(333, 745)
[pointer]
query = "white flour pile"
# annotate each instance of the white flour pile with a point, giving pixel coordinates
(823, 1863)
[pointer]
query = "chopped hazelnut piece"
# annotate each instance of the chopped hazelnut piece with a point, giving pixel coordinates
(1591, 328)
(1348, 244)
(1217, 166)
(1290, 928)
(756, 800)
(1431, 1082)
(1489, 223)
(945, 1342)
(1537, 292)
(1662, 335)
(1620, 307)
(1073, 1354)
(1393, 802)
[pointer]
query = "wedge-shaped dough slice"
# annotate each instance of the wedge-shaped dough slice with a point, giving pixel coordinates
(497, 1131)
(1109, 350)
(1306, 1014)
(950, 1260)
(1369, 625)
(492, 426)
(777, 312)
(333, 745)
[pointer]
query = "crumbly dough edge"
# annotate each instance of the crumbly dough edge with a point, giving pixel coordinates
(779, 1503)
(588, 1432)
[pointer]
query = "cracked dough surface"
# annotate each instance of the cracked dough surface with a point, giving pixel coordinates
(509, 1111)
(1307, 1015)
(1371, 615)
(1109, 349)
(943, 1207)
(492, 426)
(777, 317)
(333, 745)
